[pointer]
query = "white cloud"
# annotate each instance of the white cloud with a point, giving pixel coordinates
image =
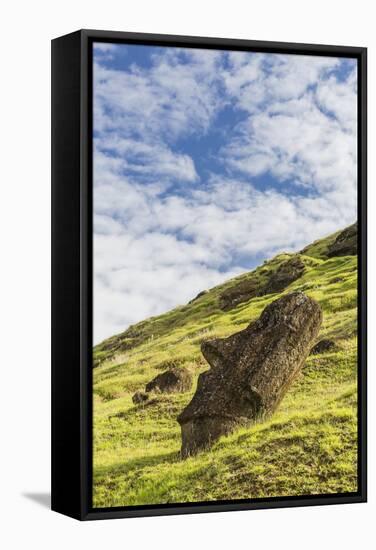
(340, 100)
(300, 127)
(162, 231)
(310, 148)
(166, 100)
(104, 47)
(139, 156)
(139, 278)
(169, 249)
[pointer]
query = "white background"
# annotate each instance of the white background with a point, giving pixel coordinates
(27, 28)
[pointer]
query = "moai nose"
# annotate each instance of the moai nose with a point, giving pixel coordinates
(220, 351)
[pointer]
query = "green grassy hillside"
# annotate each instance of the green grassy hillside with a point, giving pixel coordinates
(309, 446)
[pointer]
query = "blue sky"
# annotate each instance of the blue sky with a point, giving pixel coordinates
(207, 162)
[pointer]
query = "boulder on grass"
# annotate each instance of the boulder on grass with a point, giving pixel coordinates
(323, 346)
(175, 380)
(239, 293)
(288, 272)
(346, 243)
(140, 397)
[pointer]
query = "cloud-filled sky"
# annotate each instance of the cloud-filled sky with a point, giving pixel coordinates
(207, 162)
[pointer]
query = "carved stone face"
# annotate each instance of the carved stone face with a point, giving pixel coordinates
(250, 370)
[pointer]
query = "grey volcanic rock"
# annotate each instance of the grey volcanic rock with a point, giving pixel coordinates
(242, 292)
(345, 243)
(250, 371)
(140, 397)
(288, 272)
(173, 380)
(323, 346)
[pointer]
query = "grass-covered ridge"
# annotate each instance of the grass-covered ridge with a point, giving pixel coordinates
(307, 447)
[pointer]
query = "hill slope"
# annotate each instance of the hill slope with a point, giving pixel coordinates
(307, 447)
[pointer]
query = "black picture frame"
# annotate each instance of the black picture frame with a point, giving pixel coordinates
(72, 285)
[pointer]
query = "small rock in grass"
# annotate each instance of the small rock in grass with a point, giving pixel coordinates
(175, 380)
(323, 346)
(140, 397)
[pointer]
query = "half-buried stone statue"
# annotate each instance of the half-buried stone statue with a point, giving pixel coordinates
(174, 380)
(250, 371)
